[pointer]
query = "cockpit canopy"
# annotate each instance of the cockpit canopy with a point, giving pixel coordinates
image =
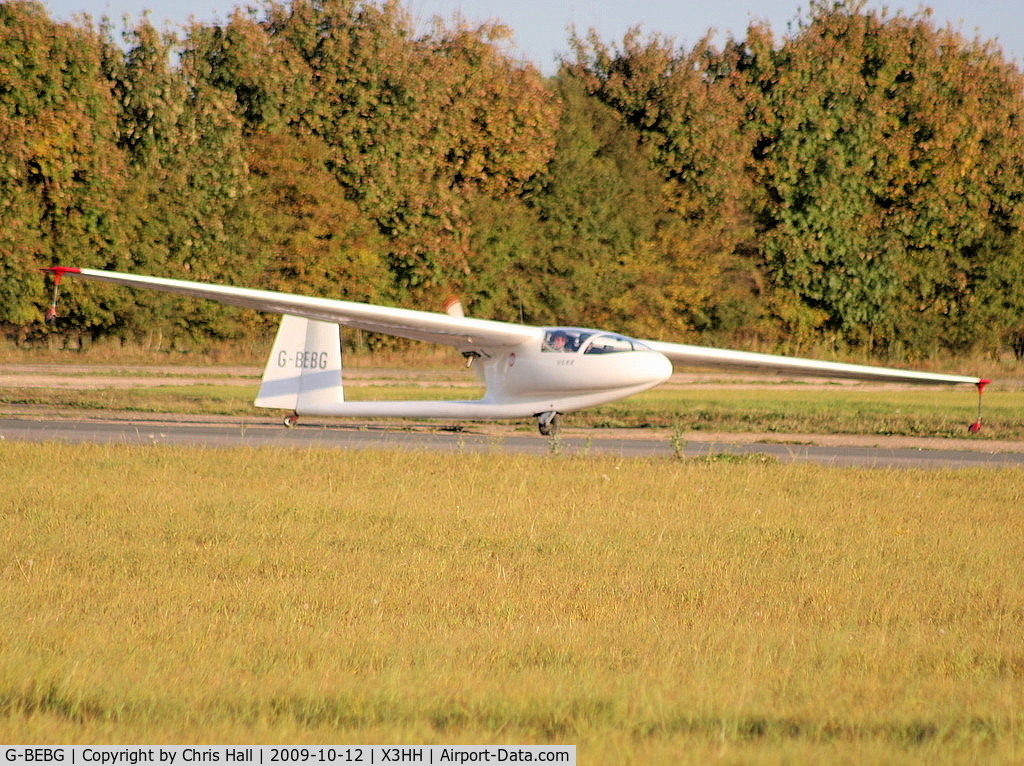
(573, 340)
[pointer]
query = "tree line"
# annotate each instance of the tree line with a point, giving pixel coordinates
(857, 182)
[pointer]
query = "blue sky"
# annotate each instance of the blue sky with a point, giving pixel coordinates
(540, 26)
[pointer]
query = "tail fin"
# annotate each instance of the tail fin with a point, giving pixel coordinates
(304, 368)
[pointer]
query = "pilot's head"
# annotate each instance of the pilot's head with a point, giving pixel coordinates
(559, 339)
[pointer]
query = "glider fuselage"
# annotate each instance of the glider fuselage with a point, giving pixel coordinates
(570, 369)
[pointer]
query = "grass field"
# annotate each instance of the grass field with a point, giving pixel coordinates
(649, 611)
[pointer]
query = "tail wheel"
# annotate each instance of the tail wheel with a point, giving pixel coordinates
(291, 420)
(549, 423)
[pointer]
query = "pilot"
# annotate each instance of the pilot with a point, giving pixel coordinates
(558, 342)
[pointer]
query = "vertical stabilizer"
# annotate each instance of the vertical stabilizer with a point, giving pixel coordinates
(304, 368)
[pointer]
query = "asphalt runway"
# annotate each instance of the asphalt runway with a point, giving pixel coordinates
(495, 440)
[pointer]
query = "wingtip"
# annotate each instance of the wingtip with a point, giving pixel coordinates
(50, 317)
(59, 271)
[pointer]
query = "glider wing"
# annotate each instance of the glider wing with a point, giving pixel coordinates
(720, 358)
(462, 333)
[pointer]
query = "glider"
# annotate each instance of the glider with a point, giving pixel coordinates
(529, 372)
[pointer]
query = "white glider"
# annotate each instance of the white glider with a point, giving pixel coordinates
(528, 371)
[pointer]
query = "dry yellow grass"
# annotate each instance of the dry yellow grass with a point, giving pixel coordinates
(648, 611)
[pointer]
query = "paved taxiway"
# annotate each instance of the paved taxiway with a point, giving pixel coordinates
(261, 433)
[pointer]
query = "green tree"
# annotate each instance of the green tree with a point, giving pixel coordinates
(314, 240)
(416, 125)
(275, 87)
(683, 108)
(189, 182)
(884, 150)
(598, 206)
(590, 240)
(61, 173)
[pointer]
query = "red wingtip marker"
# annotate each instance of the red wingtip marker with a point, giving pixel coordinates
(975, 427)
(60, 271)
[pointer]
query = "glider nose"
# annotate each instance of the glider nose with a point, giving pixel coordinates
(649, 368)
(661, 368)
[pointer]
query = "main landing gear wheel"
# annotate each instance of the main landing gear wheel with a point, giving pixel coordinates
(549, 423)
(291, 420)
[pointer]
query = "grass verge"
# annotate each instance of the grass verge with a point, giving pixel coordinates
(777, 409)
(649, 611)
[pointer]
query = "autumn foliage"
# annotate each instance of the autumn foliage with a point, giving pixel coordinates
(857, 182)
